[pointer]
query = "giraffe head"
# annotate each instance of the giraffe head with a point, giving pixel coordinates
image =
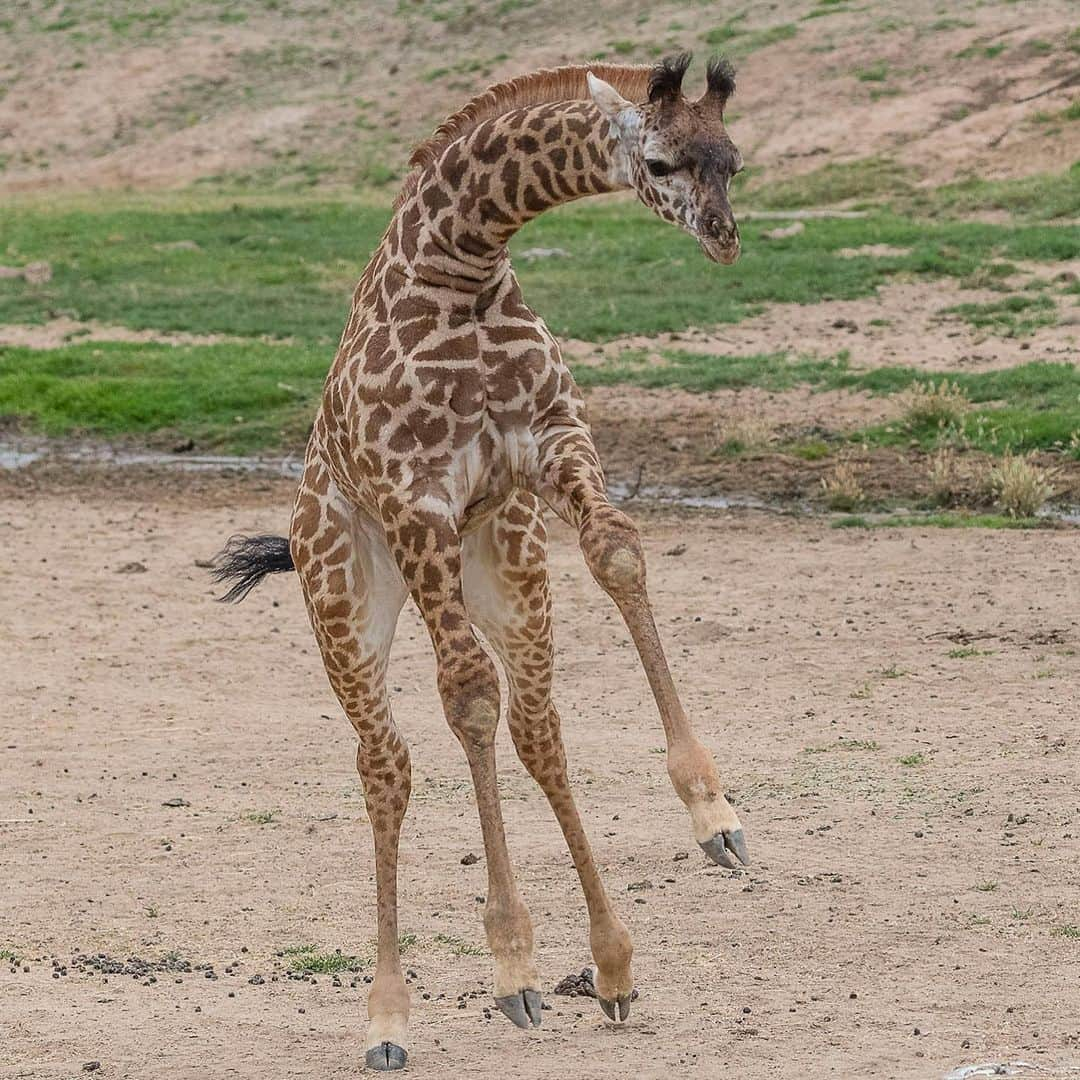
(676, 153)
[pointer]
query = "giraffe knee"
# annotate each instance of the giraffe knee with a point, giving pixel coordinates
(612, 548)
(470, 694)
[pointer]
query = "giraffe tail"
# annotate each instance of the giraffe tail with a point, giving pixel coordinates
(246, 560)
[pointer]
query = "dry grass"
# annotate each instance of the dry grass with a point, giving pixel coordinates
(841, 486)
(743, 431)
(942, 404)
(1019, 486)
(946, 478)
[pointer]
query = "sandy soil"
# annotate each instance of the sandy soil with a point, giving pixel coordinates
(901, 919)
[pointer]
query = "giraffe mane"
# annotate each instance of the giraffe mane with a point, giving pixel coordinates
(542, 87)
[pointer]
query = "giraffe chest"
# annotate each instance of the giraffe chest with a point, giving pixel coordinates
(463, 415)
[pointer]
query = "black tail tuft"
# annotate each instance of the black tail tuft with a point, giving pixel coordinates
(246, 560)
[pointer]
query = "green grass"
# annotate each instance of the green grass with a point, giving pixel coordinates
(865, 179)
(1014, 316)
(460, 947)
(957, 520)
(308, 958)
(276, 275)
(876, 72)
(966, 652)
(249, 267)
(1043, 410)
(252, 395)
(912, 761)
(237, 397)
(844, 744)
(1042, 197)
(1067, 931)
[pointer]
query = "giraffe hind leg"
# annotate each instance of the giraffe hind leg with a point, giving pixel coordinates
(354, 595)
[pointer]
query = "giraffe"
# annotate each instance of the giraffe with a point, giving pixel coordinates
(447, 423)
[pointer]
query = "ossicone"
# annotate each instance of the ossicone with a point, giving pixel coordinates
(719, 80)
(665, 81)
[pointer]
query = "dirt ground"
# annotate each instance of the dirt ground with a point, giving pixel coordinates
(114, 93)
(912, 907)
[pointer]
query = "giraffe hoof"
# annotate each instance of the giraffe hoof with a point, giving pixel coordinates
(386, 1057)
(523, 1008)
(622, 1005)
(723, 845)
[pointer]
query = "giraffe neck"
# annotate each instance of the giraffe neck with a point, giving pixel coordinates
(454, 225)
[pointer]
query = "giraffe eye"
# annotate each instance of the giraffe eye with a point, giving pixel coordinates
(659, 168)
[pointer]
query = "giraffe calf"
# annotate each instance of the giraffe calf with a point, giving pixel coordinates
(448, 422)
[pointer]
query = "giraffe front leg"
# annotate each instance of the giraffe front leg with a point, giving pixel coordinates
(573, 485)
(428, 549)
(506, 588)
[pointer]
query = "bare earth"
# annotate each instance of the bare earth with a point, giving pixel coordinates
(914, 817)
(95, 96)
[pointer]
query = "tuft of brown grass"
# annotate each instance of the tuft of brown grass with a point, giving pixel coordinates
(744, 431)
(841, 485)
(928, 404)
(1019, 486)
(946, 478)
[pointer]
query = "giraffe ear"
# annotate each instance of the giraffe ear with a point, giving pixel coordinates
(608, 100)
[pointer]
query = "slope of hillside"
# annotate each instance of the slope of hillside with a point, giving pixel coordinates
(161, 93)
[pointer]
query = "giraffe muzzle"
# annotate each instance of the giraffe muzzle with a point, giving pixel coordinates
(719, 239)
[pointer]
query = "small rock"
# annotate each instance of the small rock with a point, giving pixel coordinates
(680, 856)
(173, 804)
(91, 1066)
(678, 549)
(470, 860)
(131, 568)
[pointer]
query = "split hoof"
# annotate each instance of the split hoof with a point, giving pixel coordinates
(617, 1010)
(725, 844)
(523, 1008)
(386, 1057)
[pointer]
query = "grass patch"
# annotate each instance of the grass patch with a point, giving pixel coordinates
(1043, 197)
(844, 745)
(460, 947)
(238, 397)
(740, 42)
(261, 817)
(1067, 931)
(311, 960)
(912, 761)
(955, 520)
(869, 178)
(1020, 487)
(286, 269)
(966, 652)
(277, 275)
(1012, 316)
(876, 72)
